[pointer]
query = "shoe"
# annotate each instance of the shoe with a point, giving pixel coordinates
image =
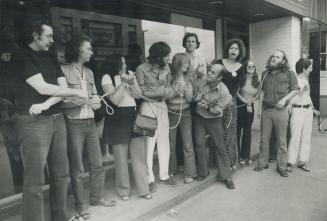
(201, 178)
(125, 198)
(283, 173)
(242, 162)
(152, 187)
(147, 196)
(188, 180)
(260, 167)
(84, 215)
(81, 208)
(304, 167)
(77, 218)
(289, 167)
(229, 184)
(105, 203)
(234, 167)
(272, 160)
(248, 162)
(170, 181)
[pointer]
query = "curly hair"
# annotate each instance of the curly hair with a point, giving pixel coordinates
(285, 66)
(189, 34)
(72, 49)
(157, 52)
(241, 48)
(255, 79)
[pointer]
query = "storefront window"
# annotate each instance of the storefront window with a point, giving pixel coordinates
(66, 29)
(173, 36)
(104, 34)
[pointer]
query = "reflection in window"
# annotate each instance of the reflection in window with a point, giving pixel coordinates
(103, 34)
(132, 34)
(66, 29)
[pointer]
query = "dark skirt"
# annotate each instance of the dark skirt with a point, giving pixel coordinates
(118, 128)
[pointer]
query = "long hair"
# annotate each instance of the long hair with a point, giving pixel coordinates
(241, 48)
(283, 67)
(189, 34)
(113, 64)
(157, 52)
(178, 62)
(72, 49)
(255, 79)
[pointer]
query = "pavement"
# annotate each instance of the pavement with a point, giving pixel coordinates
(259, 196)
(264, 195)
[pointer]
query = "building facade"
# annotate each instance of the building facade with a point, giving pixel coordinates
(296, 26)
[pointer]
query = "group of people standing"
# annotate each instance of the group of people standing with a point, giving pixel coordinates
(57, 104)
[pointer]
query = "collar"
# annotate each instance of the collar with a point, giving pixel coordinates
(196, 55)
(148, 67)
(215, 88)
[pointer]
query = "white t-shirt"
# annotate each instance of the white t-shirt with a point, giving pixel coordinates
(128, 100)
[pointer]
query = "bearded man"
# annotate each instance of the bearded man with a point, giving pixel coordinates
(279, 84)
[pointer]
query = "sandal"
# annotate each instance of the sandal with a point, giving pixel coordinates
(242, 162)
(105, 203)
(76, 218)
(147, 196)
(248, 162)
(188, 180)
(125, 198)
(304, 167)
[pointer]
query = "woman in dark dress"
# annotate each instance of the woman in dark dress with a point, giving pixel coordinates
(234, 54)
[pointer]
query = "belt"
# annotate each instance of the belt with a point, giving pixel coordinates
(301, 106)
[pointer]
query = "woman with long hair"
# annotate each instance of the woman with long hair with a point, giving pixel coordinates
(249, 87)
(234, 55)
(122, 89)
(180, 117)
(154, 78)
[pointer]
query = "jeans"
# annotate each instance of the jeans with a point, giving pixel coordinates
(83, 134)
(216, 131)
(43, 140)
(185, 127)
(244, 123)
(277, 119)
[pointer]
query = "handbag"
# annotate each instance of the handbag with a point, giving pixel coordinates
(145, 125)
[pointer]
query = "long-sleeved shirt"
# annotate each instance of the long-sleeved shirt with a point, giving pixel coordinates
(217, 98)
(151, 81)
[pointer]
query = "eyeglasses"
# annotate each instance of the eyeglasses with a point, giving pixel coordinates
(250, 66)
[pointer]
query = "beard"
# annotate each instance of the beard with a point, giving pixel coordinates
(275, 66)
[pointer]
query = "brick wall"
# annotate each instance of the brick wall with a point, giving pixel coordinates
(267, 36)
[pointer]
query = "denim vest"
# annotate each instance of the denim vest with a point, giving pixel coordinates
(74, 81)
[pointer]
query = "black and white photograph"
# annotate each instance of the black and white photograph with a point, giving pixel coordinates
(171, 110)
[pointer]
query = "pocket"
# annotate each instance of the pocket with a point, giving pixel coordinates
(74, 83)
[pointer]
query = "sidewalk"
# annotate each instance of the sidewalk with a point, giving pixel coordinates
(264, 195)
(305, 193)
